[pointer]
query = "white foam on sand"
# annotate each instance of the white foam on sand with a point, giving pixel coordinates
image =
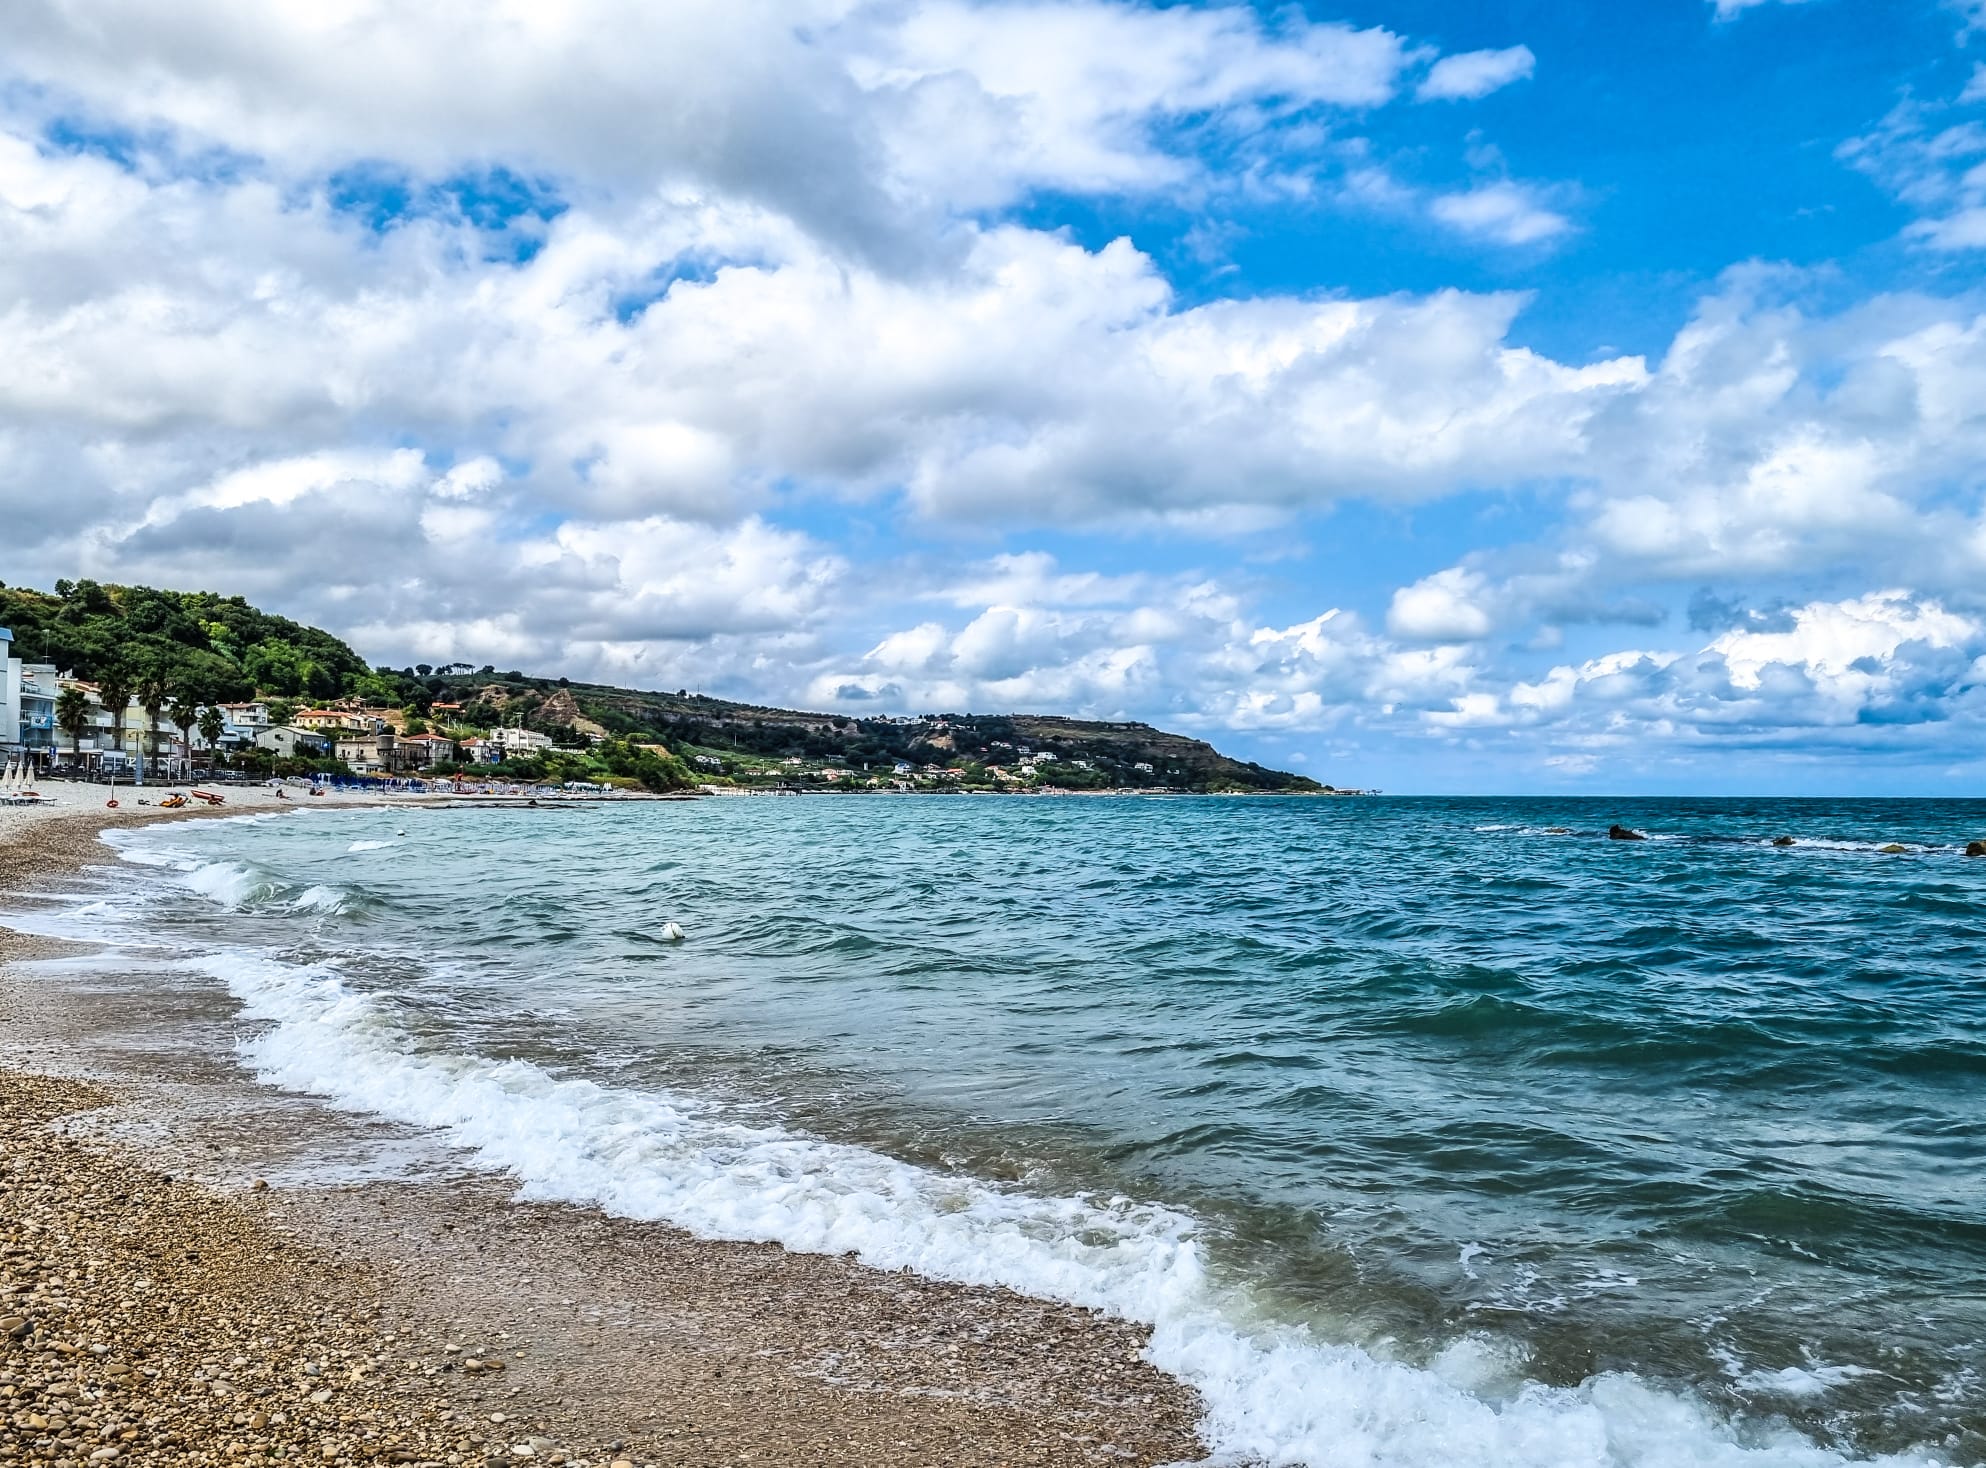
(1274, 1393)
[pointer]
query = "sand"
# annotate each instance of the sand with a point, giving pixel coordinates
(203, 1270)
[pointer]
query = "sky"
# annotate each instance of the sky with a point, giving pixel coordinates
(1501, 396)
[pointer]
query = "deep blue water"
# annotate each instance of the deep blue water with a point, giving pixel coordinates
(1460, 1086)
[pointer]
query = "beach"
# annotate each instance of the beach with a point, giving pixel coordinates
(197, 1269)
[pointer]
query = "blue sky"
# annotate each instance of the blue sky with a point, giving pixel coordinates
(1518, 396)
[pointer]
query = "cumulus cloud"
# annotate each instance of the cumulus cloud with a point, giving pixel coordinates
(1037, 378)
(1445, 607)
(1505, 212)
(857, 120)
(1471, 74)
(1886, 674)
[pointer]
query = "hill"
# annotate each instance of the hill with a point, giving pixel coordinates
(753, 742)
(214, 649)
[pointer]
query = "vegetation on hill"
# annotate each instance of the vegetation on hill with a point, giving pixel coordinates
(213, 649)
(203, 649)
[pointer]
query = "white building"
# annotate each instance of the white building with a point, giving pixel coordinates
(520, 743)
(289, 742)
(10, 697)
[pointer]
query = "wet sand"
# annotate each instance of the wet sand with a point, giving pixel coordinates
(270, 1279)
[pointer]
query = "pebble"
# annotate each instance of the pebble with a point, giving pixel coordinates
(221, 1357)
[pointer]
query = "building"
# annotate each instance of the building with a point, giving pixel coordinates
(286, 741)
(10, 698)
(332, 720)
(418, 751)
(97, 739)
(520, 743)
(477, 751)
(246, 715)
(39, 685)
(375, 753)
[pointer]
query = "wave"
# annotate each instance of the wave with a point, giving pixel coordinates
(358, 846)
(1275, 1393)
(240, 886)
(1781, 842)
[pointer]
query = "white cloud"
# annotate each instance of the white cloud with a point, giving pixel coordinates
(1472, 74)
(1933, 164)
(856, 118)
(1505, 212)
(1888, 674)
(1850, 641)
(1730, 9)
(1444, 607)
(995, 98)
(1036, 379)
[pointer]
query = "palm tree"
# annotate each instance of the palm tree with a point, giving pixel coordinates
(72, 712)
(183, 712)
(212, 723)
(114, 685)
(154, 693)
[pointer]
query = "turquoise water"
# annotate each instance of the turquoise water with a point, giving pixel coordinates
(1581, 1150)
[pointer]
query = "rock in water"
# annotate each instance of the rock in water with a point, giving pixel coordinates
(1975, 848)
(1622, 833)
(1894, 849)
(1782, 840)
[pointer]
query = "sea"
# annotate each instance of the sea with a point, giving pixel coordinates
(1421, 1132)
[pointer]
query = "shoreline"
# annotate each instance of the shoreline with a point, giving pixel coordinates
(362, 1249)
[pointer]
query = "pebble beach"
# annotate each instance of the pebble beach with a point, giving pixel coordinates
(178, 1284)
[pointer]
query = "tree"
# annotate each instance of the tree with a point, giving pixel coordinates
(184, 713)
(72, 712)
(154, 693)
(114, 686)
(212, 724)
